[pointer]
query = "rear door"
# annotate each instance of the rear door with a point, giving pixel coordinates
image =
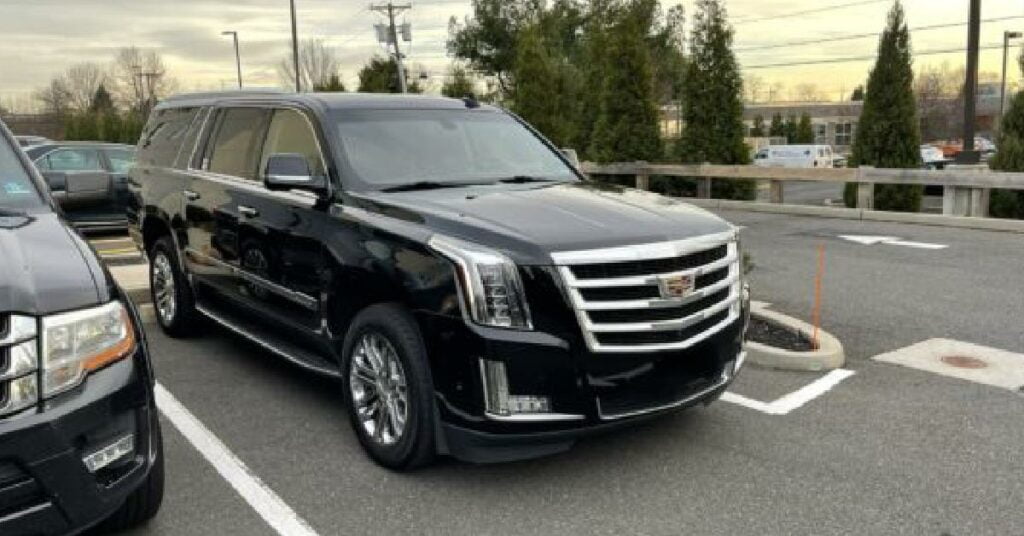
(88, 182)
(213, 196)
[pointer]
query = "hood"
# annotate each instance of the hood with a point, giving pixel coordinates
(531, 221)
(44, 267)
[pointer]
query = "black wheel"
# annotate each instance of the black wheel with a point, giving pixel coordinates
(143, 503)
(172, 296)
(388, 389)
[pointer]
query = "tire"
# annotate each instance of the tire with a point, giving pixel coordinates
(389, 327)
(177, 316)
(143, 503)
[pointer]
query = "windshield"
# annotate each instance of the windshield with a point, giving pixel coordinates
(388, 148)
(17, 191)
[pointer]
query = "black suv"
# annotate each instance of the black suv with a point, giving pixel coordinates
(79, 436)
(89, 180)
(476, 295)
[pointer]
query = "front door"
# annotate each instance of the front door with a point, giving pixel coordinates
(280, 254)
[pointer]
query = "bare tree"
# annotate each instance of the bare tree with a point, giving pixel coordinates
(753, 86)
(775, 91)
(139, 79)
(939, 101)
(72, 90)
(807, 92)
(317, 63)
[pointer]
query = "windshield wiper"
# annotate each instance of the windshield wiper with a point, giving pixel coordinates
(425, 185)
(10, 212)
(523, 179)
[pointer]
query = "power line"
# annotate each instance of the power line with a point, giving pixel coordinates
(809, 11)
(851, 37)
(865, 58)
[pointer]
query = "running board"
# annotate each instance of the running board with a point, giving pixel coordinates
(294, 354)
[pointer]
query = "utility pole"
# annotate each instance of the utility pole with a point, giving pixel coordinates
(968, 155)
(1002, 88)
(295, 51)
(391, 9)
(238, 57)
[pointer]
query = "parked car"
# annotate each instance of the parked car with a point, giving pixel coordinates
(79, 436)
(932, 157)
(88, 180)
(28, 141)
(473, 292)
(795, 156)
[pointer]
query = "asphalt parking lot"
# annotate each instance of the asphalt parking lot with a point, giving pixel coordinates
(884, 450)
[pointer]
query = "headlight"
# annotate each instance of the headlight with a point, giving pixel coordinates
(489, 281)
(79, 342)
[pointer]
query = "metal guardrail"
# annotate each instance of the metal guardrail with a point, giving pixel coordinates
(965, 190)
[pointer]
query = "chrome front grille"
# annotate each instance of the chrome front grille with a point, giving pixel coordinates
(19, 361)
(622, 302)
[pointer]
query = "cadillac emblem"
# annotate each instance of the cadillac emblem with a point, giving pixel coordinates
(676, 286)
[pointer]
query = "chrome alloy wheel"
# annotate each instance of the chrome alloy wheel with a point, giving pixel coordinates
(379, 392)
(163, 288)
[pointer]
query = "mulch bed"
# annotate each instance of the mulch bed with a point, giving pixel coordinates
(771, 334)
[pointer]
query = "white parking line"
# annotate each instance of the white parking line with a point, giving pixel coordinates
(793, 400)
(261, 498)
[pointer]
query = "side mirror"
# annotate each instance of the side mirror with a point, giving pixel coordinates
(572, 157)
(290, 171)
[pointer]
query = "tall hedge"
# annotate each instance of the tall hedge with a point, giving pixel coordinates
(1010, 157)
(888, 134)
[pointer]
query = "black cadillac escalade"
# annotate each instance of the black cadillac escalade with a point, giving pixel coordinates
(475, 294)
(79, 436)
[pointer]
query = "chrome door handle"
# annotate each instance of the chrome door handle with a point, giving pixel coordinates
(191, 196)
(248, 212)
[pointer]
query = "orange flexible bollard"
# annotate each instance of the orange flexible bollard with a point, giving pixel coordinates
(816, 313)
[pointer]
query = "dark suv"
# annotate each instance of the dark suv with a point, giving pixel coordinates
(475, 294)
(79, 435)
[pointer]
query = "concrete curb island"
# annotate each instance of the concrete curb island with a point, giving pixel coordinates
(829, 356)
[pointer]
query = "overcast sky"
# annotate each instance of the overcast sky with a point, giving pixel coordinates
(39, 38)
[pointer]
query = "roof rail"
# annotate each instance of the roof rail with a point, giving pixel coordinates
(227, 93)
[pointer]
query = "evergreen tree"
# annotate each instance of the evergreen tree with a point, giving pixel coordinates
(628, 125)
(333, 84)
(777, 129)
(858, 94)
(1010, 157)
(545, 95)
(790, 128)
(101, 101)
(758, 130)
(459, 84)
(888, 134)
(804, 130)
(380, 75)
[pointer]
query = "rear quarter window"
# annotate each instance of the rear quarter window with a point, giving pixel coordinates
(164, 135)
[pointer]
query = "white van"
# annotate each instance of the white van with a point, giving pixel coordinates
(795, 156)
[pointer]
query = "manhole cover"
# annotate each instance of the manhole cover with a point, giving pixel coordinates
(961, 361)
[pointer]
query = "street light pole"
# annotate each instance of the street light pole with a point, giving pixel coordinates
(1002, 88)
(238, 57)
(295, 51)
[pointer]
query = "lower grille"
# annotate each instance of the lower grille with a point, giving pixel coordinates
(653, 297)
(18, 490)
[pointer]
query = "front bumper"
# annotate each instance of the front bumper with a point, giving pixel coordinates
(600, 391)
(45, 487)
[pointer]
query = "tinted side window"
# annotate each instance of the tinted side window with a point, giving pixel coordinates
(290, 132)
(121, 160)
(235, 145)
(71, 160)
(163, 136)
